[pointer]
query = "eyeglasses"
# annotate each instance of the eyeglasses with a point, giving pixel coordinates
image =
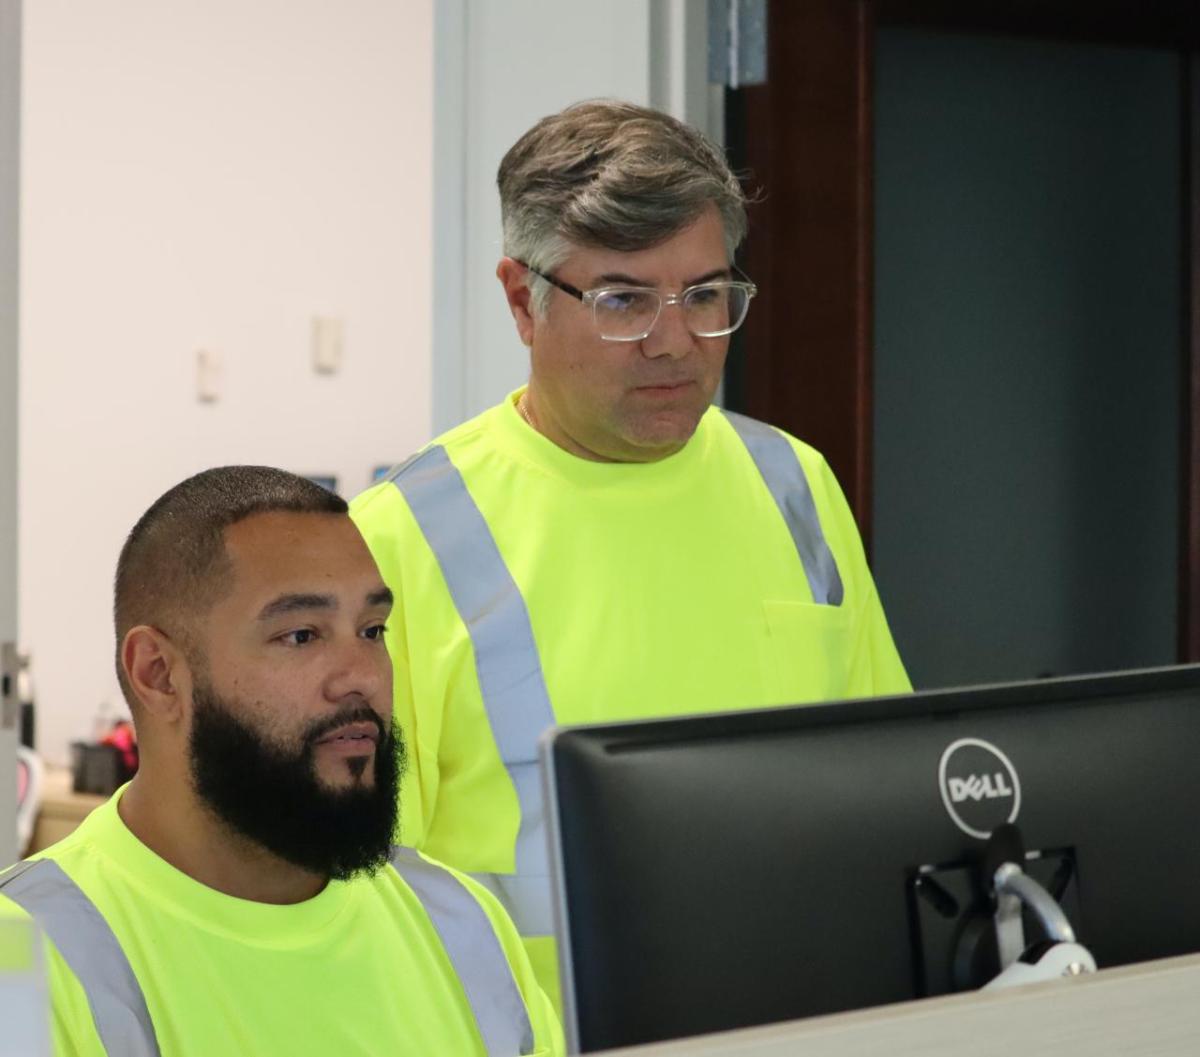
(628, 313)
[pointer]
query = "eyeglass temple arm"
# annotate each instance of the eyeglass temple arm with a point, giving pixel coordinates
(744, 277)
(566, 288)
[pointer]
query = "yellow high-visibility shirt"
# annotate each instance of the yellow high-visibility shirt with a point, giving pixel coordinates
(358, 969)
(653, 589)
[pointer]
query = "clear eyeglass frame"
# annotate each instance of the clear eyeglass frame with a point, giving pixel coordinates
(685, 298)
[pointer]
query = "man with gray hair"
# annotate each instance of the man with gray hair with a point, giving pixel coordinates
(605, 544)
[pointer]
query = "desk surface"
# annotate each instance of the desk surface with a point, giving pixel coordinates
(62, 810)
(1147, 1009)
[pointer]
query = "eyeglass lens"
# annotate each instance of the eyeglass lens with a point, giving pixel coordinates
(709, 311)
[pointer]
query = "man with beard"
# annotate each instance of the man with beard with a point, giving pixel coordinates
(242, 894)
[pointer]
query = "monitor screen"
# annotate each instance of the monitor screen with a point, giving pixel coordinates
(719, 871)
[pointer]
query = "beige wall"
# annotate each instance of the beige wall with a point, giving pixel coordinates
(10, 88)
(212, 173)
(206, 173)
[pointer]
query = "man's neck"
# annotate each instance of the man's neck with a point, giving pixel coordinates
(539, 419)
(170, 820)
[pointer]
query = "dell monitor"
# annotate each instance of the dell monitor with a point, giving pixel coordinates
(719, 871)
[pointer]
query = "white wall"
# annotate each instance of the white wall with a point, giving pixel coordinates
(206, 173)
(10, 89)
(521, 60)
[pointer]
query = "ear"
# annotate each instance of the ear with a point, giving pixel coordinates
(157, 672)
(514, 277)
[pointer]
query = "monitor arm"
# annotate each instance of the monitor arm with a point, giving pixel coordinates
(1014, 890)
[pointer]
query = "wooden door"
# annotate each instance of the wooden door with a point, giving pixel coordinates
(804, 360)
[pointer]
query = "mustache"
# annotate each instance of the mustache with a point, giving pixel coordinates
(362, 713)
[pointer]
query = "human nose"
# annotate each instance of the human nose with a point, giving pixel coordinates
(670, 335)
(360, 668)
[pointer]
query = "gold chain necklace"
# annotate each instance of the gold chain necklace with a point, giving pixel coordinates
(524, 410)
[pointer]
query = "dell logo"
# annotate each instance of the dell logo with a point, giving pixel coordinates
(979, 785)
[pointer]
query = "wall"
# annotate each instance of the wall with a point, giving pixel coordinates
(207, 173)
(10, 91)
(1027, 355)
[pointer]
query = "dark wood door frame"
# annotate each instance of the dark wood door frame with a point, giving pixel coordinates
(804, 358)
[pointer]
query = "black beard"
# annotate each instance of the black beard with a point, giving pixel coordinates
(274, 798)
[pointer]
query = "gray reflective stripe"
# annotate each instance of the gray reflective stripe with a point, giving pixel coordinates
(506, 658)
(526, 895)
(784, 476)
(528, 898)
(487, 600)
(87, 944)
(475, 953)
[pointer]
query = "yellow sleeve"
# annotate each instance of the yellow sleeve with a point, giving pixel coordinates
(876, 669)
(875, 666)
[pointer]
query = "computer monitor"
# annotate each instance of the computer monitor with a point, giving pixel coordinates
(718, 871)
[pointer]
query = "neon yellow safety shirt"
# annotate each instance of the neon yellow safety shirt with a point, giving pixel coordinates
(363, 968)
(535, 587)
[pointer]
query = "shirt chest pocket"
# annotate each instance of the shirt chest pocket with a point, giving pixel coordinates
(809, 648)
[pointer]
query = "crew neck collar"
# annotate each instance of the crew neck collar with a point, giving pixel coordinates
(524, 440)
(243, 919)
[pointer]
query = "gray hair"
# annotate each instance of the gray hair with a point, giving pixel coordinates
(610, 174)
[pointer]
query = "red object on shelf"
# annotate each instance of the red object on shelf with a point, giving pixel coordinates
(122, 738)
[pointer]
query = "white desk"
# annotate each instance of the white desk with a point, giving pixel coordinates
(1151, 1009)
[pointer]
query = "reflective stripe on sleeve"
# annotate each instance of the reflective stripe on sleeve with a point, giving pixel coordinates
(487, 600)
(506, 662)
(475, 953)
(784, 477)
(92, 952)
(526, 895)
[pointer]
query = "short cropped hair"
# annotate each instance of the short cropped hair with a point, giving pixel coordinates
(610, 174)
(174, 567)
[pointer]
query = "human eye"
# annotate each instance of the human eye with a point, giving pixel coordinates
(704, 296)
(375, 632)
(297, 637)
(623, 301)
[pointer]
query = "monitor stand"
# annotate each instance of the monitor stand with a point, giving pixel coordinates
(952, 918)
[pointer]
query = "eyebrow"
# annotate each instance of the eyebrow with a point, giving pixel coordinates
(630, 280)
(292, 603)
(382, 597)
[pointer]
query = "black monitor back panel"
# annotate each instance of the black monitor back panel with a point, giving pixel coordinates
(729, 870)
